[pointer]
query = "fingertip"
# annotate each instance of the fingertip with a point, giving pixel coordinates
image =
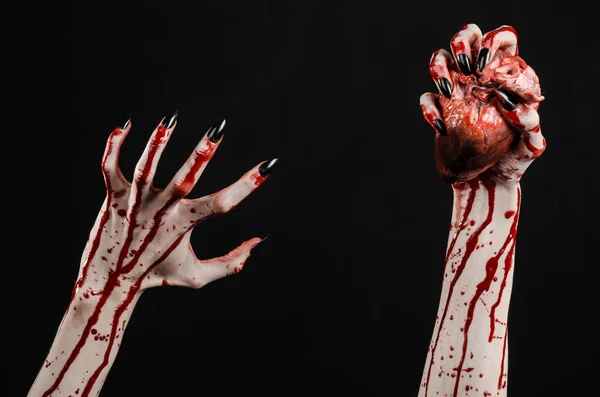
(267, 167)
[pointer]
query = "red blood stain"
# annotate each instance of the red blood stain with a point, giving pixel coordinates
(257, 178)
(133, 290)
(490, 36)
(94, 331)
(201, 158)
(122, 212)
(536, 152)
(434, 68)
(120, 193)
(471, 242)
(484, 285)
(149, 237)
(507, 265)
(112, 281)
(429, 115)
(508, 214)
(165, 283)
(459, 48)
(103, 219)
(470, 247)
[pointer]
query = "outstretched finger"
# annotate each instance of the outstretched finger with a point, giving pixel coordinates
(524, 117)
(228, 198)
(192, 272)
(465, 46)
(439, 69)
(185, 179)
(146, 166)
(208, 270)
(431, 112)
(113, 177)
(504, 38)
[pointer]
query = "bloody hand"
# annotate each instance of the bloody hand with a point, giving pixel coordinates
(486, 118)
(140, 240)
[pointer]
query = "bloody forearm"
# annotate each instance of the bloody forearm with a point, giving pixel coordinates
(87, 341)
(468, 350)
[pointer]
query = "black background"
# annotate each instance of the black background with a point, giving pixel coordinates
(342, 297)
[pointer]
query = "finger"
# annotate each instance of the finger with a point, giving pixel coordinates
(519, 77)
(227, 199)
(431, 112)
(213, 269)
(524, 118)
(146, 166)
(504, 38)
(113, 177)
(186, 178)
(439, 66)
(465, 46)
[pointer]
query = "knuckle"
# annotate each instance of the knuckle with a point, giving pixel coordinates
(222, 204)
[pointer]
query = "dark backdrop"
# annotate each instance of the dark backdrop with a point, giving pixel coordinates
(343, 295)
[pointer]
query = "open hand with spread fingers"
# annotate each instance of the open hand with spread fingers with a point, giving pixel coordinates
(140, 240)
(485, 115)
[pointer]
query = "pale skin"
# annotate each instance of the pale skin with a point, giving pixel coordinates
(140, 240)
(468, 354)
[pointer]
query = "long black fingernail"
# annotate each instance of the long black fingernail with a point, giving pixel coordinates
(482, 58)
(445, 87)
(123, 126)
(465, 64)
(168, 122)
(440, 126)
(259, 244)
(507, 101)
(266, 168)
(216, 132)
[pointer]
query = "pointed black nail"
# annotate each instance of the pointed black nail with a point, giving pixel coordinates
(168, 122)
(440, 126)
(215, 132)
(266, 168)
(259, 244)
(508, 101)
(465, 64)
(445, 87)
(482, 59)
(124, 125)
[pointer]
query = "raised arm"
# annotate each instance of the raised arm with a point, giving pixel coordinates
(487, 133)
(140, 240)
